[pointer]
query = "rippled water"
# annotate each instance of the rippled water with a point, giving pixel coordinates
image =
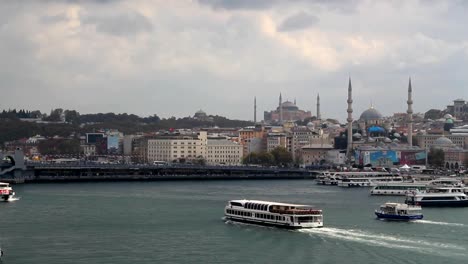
(181, 222)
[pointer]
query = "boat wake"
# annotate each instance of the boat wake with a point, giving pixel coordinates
(438, 223)
(12, 199)
(385, 240)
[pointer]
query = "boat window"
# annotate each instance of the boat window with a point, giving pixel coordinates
(438, 198)
(236, 204)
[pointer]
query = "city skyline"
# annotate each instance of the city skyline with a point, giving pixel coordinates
(173, 58)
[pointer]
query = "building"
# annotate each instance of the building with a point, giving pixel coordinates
(388, 155)
(427, 141)
(253, 139)
(286, 111)
(454, 156)
(174, 148)
(275, 140)
(223, 152)
(315, 153)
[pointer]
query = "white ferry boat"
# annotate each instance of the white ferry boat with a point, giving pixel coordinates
(403, 188)
(367, 182)
(293, 216)
(334, 178)
(438, 196)
(6, 192)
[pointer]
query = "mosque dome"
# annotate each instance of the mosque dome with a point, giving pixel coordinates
(289, 106)
(443, 142)
(449, 121)
(447, 116)
(387, 140)
(370, 114)
(200, 114)
(376, 129)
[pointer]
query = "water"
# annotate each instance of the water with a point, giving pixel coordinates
(180, 222)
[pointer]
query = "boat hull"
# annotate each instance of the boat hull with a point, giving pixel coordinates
(398, 217)
(263, 223)
(458, 203)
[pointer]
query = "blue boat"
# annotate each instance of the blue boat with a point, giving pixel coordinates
(399, 212)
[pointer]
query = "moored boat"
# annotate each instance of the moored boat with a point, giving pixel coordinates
(438, 197)
(292, 216)
(6, 192)
(398, 211)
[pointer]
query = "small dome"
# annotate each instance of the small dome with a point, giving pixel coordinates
(370, 114)
(449, 121)
(447, 116)
(356, 135)
(376, 129)
(371, 139)
(397, 135)
(310, 124)
(387, 140)
(443, 142)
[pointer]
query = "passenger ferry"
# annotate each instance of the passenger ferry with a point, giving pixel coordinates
(438, 196)
(6, 192)
(398, 211)
(366, 182)
(293, 216)
(333, 178)
(403, 188)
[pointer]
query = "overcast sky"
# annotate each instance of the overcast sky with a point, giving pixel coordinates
(172, 58)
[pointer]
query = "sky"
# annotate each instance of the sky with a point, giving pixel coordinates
(172, 58)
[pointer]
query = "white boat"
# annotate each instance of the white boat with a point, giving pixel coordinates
(398, 211)
(438, 196)
(333, 178)
(367, 182)
(403, 188)
(293, 216)
(6, 192)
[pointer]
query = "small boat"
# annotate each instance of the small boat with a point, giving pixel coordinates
(398, 211)
(6, 192)
(291, 216)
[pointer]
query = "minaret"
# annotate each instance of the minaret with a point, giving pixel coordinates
(349, 149)
(255, 109)
(281, 109)
(319, 117)
(410, 114)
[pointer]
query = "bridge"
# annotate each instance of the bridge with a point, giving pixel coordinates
(115, 172)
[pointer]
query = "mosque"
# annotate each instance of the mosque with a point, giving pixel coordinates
(371, 141)
(286, 111)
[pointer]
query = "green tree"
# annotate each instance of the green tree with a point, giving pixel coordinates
(281, 156)
(436, 157)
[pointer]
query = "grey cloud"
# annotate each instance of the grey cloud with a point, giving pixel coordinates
(239, 4)
(338, 5)
(298, 21)
(120, 24)
(53, 19)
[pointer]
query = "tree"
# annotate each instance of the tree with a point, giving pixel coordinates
(281, 156)
(262, 158)
(436, 157)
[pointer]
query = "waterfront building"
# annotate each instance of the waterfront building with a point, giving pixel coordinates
(253, 139)
(427, 141)
(387, 155)
(276, 139)
(223, 152)
(454, 156)
(315, 153)
(177, 148)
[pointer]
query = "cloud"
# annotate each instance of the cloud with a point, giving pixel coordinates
(299, 21)
(175, 57)
(123, 24)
